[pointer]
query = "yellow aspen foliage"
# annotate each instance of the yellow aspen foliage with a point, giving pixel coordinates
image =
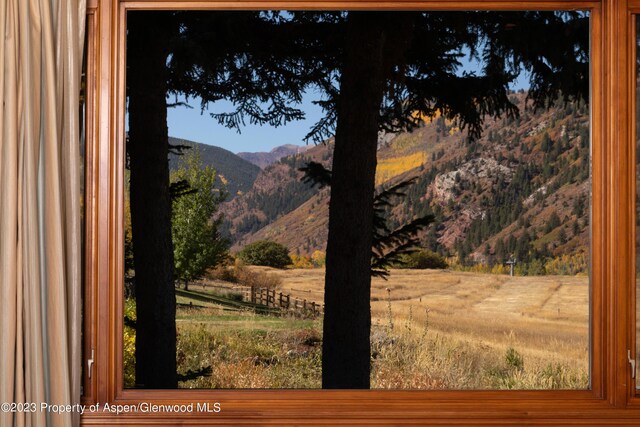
(301, 261)
(568, 265)
(425, 118)
(390, 168)
(500, 269)
(318, 258)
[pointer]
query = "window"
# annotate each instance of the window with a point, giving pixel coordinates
(637, 187)
(610, 326)
(505, 211)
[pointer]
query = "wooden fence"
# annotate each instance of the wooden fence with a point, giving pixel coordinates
(269, 298)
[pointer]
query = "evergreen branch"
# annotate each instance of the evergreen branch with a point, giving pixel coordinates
(316, 174)
(406, 233)
(380, 263)
(384, 198)
(195, 374)
(180, 188)
(387, 246)
(128, 321)
(179, 149)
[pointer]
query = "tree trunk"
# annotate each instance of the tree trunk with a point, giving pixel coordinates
(150, 201)
(347, 318)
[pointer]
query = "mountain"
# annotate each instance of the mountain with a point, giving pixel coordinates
(237, 174)
(264, 159)
(277, 191)
(520, 190)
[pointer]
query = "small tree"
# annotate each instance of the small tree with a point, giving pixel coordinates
(197, 244)
(266, 253)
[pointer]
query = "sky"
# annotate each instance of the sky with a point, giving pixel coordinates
(191, 124)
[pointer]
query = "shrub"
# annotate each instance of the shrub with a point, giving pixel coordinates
(568, 264)
(129, 344)
(256, 279)
(319, 259)
(266, 253)
(424, 258)
(225, 273)
(301, 261)
(513, 359)
(242, 275)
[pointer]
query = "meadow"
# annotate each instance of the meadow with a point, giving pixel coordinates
(431, 329)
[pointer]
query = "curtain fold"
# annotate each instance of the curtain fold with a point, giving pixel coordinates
(40, 251)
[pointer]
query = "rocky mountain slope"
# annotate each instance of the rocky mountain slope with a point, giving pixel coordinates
(520, 190)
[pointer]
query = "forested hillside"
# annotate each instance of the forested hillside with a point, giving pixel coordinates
(277, 191)
(263, 159)
(235, 173)
(521, 190)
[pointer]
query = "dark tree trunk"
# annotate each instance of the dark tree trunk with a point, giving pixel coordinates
(347, 318)
(150, 201)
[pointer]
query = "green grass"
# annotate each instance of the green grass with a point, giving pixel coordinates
(212, 297)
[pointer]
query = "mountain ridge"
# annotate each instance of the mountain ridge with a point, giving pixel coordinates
(492, 198)
(262, 159)
(235, 173)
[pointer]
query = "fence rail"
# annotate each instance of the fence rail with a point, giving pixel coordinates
(269, 298)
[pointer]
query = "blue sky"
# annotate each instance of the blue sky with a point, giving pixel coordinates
(191, 124)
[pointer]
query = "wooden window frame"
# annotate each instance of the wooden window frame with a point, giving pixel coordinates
(612, 397)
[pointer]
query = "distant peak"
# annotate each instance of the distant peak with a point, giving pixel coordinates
(264, 159)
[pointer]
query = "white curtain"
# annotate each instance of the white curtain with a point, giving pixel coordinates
(40, 252)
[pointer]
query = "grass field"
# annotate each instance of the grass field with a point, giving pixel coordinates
(432, 329)
(481, 317)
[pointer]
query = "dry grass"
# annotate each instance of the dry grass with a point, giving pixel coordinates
(250, 351)
(477, 318)
(430, 330)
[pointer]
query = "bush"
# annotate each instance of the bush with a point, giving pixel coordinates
(257, 279)
(301, 261)
(129, 344)
(242, 275)
(424, 258)
(226, 273)
(319, 259)
(266, 253)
